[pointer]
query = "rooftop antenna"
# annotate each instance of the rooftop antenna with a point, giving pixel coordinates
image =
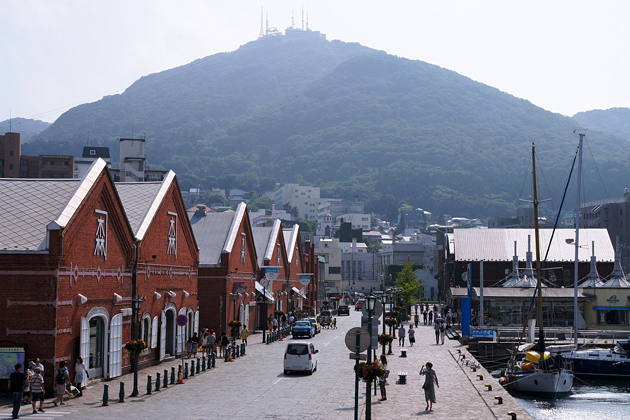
(267, 23)
(261, 34)
(302, 17)
(307, 18)
(292, 19)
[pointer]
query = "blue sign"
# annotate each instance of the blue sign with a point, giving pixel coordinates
(182, 320)
(483, 332)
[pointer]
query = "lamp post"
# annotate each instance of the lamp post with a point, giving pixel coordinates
(137, 306)
(370, 301)
(384, 301)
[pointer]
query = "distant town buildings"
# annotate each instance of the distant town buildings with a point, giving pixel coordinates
(15, 165)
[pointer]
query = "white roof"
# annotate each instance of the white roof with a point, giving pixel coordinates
(498, 244)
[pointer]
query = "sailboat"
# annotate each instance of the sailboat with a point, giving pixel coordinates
(532, 369)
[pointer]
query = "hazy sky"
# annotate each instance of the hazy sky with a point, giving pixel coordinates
(565, 56)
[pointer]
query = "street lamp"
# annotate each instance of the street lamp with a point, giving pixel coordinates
(384, 301)
(137, 305)
(370, 302)
(234, 296)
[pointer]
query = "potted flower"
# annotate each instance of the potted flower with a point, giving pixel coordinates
(392, 322)
(278, 313)
(135, 346)
(234, 324)
(385, 339)
(369, 372)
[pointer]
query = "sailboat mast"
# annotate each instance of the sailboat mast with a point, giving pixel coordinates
(577, 243)
(539, 308)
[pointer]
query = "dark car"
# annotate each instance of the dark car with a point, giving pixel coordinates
(343, 310)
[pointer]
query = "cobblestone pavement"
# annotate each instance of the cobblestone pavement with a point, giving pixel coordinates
(254, 387)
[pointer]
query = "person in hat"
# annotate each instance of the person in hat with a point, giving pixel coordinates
(37, 389)
(39, 364)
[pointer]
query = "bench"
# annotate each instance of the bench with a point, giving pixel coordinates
(402, 378)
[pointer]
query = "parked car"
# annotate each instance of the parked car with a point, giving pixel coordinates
(303, 329)
(344, 310)
(300, 356)
(314, 323)
(359, 305)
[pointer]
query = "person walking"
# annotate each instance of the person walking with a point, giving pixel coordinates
(430, 317)
(61, 378)
(424, 317)
(37, 390)
(442, 330)
(244, 335)
(430, 381)
(225, 341)
(401, 335)
(17, 380)
(416, 319)
(382, 379)
(412, 335)
(26, 395)
(80, 373)
(436, 328)
(195, 344)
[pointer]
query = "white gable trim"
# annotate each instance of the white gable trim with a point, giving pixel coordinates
(155, 205)
(236, 223)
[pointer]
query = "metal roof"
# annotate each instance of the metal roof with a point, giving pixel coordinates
(498, 244)
(518, 292)
(211, 230)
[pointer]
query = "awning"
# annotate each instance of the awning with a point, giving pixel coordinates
(611, 308)
(296, 290)
(264, 292)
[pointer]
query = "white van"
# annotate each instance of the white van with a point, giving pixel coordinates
(300, 356)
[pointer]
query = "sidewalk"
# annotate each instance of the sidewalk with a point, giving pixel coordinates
(462, 394)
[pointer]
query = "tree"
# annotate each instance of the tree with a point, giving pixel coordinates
(293, 211)
(410, 286)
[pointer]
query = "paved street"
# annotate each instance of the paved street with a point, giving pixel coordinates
(254, 387)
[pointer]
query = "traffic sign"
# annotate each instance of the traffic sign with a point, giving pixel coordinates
(362, 356)
(305, 279)
(351, 339)
(265, 282)
(378, 309)
(271, 273)
(182, 320)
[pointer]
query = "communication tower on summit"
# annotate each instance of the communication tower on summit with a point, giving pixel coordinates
(262, 33)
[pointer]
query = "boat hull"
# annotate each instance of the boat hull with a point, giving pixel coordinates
(599, 364)
(541, 383)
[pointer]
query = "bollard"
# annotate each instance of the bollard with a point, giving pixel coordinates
(226, 354)
(105, 395)
(172, 375)
(203, 363)
(488, 387)
(512, 415)
(180, 376)
(243, 349)
(474, 368)
(236, 350)
(214, 360)
(480, 377)
(121, 394)
(149, 384)
(499, 399)
(185, 370)
(157, 381)
(192, 368)
(165, 384)
(403, 353)
(198, 365)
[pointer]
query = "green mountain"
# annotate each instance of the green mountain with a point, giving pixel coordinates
(27, 127)
(614, 121)
(352, 120)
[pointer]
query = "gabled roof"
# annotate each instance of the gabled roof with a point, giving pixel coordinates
(498, 244)
(211, 231)
(30, 207)
(264, 240)
(141, 200)
(290, 239)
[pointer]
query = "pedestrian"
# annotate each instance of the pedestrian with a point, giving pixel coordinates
(416, 319)
(449, 318)
(284, 320)
(416, 308)
(211, 343)
(401, 335)
(412, 335)
(436, 327)
(275, 324)
(37, 389)
(195, 344)
(270, 322)
(334, 323)
(61, 378)
(17, 380)
(39, 364)
(430, 381)
(424, 317)
(244, 335)
(430, 317)
(225, 341)
(26, 398)
(80, 374)
(442, 330)
(382, 380)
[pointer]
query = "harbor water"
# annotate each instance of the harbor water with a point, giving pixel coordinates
(592, 399)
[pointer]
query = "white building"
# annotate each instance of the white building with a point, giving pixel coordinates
(330, 252)
(305, 198)
(358, 221)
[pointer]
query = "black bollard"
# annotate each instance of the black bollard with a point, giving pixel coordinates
(149, 384)
(198, 365)
(186, 370)
(192, 368)
(214, 360)
(121, 394)
(165, 384)
(157, 381)
(172, 375)
(243, 349)
(203, 363)
(105, 395)
(226, 353)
